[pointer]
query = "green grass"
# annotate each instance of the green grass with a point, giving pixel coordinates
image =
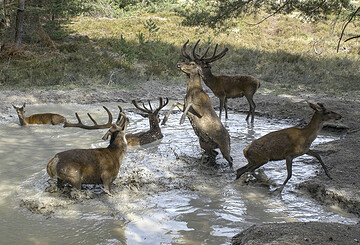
(115, 51)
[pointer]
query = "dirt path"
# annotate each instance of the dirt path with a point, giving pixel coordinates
(341, 157)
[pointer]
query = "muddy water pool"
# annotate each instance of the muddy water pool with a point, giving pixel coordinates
(163, 194)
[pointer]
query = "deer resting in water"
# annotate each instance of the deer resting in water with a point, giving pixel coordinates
(287, 144)
(43, 118)
(198, 108)
(92, 166)
(136, 139)
(154, 133)
(224, 86)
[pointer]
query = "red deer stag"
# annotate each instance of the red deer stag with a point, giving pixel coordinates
(198, 108)
(287, 144)
(154, 133)
(224, 87)
(43, 118)
(92, 166)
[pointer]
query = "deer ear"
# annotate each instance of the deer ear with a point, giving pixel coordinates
(314, 107)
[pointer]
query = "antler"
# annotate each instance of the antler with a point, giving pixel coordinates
(201, 58)
(183, 51)
(120, 125)
(150, 111)
(95, 126)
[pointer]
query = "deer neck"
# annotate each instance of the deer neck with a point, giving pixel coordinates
(193, 82)
(314, 127)
(154, 124)
(117, 143)
(207, 76)
(23, 120)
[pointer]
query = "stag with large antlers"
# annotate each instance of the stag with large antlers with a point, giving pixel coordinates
(43, 118)
(92, 166)
(224, 86)
(287, 144)
(154, 133)
(198, 108)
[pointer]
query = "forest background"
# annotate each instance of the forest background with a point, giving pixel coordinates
(289, 45)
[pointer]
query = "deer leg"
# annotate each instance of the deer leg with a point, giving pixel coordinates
(60, 184)
(317, 156)
(221, 106)
(289, 173)
(178, 105)
(226, 109)
(182, 120)
(242, 170)
(252, 106)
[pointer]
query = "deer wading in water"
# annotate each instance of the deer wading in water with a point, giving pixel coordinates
(43, 118)
(92, 166)
(202, 116)
(287, 144)
(224, 86)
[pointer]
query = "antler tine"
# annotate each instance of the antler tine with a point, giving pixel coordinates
(139, 108)
(194, 55)
(216, 57)
(95, 126)
(150, 105)
(207, 50)
(183, 51)
(161, 104)
(119, 116)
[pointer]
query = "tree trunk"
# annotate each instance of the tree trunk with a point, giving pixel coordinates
(19, 23)
(3, 23)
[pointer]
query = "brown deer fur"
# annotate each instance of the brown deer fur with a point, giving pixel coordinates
(92, 166)
(154, 133)
(287, 144)
(198, 108)
(44, 118)
(225, 86)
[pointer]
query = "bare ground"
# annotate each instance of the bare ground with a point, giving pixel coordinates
(341, 157)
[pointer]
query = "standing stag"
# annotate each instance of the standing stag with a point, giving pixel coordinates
(43, 118)
(92, 166)
(224, 87)
(198, 108)
(154, 133)
(287, 144)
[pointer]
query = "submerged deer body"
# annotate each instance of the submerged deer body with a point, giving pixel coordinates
(287, 144)
(198, 108)
(92, 166)
(154, 133)
(43, 118)
(224, 86)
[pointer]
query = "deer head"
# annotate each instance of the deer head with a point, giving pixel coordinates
(152, 114)
(118, 127)
(21, 113)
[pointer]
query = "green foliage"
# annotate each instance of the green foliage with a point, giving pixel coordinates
(94, 51)
(151, 27)
(217, 13)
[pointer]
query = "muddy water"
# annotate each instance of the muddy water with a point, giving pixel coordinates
(163, 194)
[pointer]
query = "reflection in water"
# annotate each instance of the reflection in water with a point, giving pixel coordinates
(162, 193)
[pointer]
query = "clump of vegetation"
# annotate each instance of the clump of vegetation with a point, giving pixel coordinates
(144, 44)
